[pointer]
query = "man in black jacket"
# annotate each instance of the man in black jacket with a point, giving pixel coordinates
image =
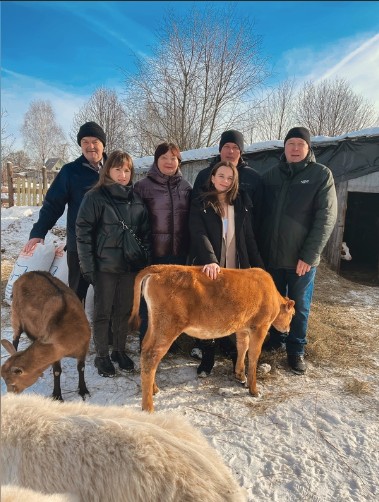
(69, 187)
(299, 214)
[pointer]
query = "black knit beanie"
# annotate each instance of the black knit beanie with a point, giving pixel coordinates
(231, 136)
(299, 132)
(92, 129)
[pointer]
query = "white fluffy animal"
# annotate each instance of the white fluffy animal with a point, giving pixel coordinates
(13, 493)
(109, 453)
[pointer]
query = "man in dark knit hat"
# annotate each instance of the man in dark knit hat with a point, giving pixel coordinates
(298, 216)
(69, 187)
(231, 148)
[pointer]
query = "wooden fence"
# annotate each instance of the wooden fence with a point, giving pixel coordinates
(24, 191)
(31, 190)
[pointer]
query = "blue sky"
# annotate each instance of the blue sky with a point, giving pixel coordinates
(63, 51)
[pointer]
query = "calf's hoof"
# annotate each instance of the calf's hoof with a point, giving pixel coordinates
(241, 378)
(148, 409)
(255, 393)
(84, 393)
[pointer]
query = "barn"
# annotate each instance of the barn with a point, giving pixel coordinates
(354, 160)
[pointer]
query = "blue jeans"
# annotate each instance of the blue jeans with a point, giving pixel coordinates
(299, 289)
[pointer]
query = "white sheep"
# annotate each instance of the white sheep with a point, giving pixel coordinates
(13, 493)
(109, 453)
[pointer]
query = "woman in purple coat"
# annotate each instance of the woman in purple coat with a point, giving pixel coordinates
(167, 196)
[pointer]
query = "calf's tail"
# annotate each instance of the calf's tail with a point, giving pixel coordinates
(135, 319)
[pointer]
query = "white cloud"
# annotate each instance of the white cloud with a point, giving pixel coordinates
(355, 59)
(19, 90)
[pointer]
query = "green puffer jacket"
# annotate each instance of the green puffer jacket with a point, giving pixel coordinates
(299, 213)
(99, 234)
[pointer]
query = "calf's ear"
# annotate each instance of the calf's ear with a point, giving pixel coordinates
(289, 305)
(8, 346)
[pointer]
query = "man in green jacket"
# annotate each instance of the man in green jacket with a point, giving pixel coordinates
(299, 214)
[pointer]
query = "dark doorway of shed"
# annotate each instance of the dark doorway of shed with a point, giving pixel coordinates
(361, 234)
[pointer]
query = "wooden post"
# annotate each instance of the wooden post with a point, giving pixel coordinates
(29, 191)
(332, 250)
(40, 194)
(34, 192)
(19, 191)
(44, 179)
(23, 192)
(10, 184)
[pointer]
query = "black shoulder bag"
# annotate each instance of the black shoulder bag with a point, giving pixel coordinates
(135, 255)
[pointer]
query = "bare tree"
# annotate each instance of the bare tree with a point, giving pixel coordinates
(20, 162)
(7, 140)
(204, 66)
(20, 159)
(271, 118)
(40, 131)
(276, 114)
(331, 108)
(63, 151)
(104, 108)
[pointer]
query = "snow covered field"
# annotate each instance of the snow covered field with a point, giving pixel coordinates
(307, 438)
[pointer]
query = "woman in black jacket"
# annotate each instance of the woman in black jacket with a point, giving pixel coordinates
(221, 235)
(113, 240)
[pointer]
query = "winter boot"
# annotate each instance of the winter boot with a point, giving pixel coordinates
(123, 360)
(104, 366)
(296, 363)
(196, 351)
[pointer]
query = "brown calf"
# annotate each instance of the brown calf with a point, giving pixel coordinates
(53, 317)
(183, 299)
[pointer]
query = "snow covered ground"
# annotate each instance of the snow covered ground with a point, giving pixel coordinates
(307, 438)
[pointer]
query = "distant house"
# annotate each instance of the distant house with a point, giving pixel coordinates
(54, 164)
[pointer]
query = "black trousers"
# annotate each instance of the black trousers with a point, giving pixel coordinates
(113, 301)
(75, 279)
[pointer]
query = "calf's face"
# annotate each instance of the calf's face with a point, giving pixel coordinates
(284, 318)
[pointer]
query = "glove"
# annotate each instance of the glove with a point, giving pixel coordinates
(90, 277)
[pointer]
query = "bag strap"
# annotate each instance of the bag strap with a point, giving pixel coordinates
(116, 210)
(121, 220)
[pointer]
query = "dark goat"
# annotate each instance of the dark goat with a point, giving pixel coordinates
(51, 315)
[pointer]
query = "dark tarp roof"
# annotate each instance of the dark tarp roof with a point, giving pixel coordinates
(348, 158)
